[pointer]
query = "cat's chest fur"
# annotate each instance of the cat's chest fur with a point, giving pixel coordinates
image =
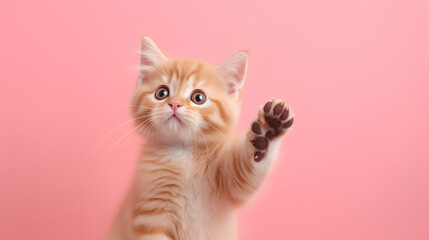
(183, 160)
(171, 179)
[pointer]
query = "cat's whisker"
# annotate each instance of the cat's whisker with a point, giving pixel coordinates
(116, 143)
(151, 115)
(150, 128)
(151, 122)
(130, 105)
(156, 128)
(126, 122)
(142, 127)
(145, 129)
(112, 130)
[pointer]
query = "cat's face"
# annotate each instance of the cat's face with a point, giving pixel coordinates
(184, 99)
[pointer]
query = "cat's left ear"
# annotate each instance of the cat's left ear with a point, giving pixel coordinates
(150, 57)
(233, 72)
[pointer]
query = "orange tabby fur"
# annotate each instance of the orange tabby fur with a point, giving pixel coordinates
(193, 173)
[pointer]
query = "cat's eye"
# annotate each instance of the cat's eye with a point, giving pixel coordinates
(198, 97)
(161, 93)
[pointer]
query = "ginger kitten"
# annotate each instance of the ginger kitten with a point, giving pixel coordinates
(193, 172)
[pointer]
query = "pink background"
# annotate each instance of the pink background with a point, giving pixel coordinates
(355, 166)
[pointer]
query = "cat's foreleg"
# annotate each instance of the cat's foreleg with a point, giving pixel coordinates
(253, 154)
(274, 120)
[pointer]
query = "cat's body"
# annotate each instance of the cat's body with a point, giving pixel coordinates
(190, 213)
(193, 172)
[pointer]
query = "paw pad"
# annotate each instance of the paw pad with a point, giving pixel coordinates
(256, 128)
(273, 121)
(260, 143)
(259, 156)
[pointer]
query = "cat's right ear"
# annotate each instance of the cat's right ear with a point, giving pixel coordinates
(233, 72)
(150, 57)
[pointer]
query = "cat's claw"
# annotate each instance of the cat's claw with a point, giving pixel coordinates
(274, 120)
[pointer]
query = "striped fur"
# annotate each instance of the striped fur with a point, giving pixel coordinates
(191, 175)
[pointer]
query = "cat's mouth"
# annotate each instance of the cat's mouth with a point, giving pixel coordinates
(174, 117)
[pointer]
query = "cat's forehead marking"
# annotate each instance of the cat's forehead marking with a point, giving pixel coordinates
(165, 78)
(183, 86)
(200, 83)
(191, 79)
(172, 84)
(183, 77)
(180, 84)
(189, 85)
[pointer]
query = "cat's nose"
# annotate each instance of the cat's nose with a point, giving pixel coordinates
(175, 106)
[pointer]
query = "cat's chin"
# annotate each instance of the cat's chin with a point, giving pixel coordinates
(172, 137)
(175, 120)
(174, 124)
(173, 129)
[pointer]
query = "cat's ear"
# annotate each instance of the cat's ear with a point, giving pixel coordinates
(150, 57)
(233, 72)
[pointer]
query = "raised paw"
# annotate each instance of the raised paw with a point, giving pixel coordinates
(274, 119)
